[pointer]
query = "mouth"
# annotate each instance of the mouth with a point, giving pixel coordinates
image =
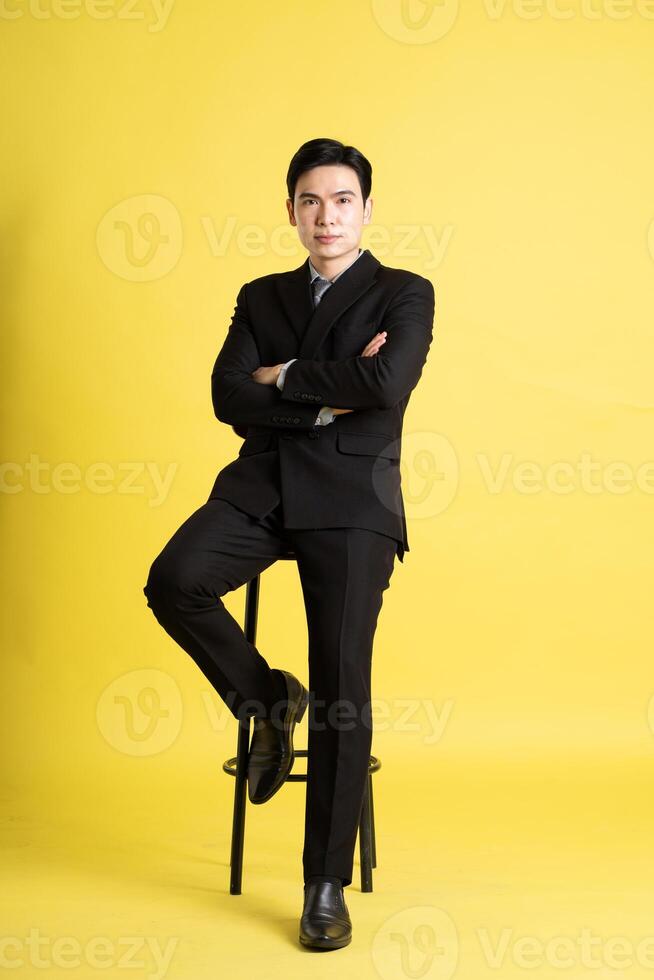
(327, 238)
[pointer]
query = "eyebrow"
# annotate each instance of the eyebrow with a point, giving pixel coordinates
(335, 194)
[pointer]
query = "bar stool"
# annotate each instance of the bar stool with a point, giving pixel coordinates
(237, 767)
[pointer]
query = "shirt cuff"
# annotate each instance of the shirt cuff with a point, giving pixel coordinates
(325, 416)
(282, 374)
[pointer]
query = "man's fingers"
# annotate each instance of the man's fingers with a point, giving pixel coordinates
(373, 345)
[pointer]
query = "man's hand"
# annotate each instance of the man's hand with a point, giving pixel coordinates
(373, 346)
(269, 375)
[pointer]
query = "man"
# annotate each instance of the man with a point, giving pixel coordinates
(315, 373)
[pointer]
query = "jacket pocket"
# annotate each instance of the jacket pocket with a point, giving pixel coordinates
(257, 443)
(368, 444)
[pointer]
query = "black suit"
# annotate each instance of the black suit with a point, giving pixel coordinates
(327, 496)
(345, 474)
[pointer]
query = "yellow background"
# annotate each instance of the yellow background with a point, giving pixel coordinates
(520, 139)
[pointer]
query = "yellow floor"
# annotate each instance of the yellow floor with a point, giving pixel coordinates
(537, 867)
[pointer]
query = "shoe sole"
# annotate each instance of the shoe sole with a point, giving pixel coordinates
(326, 943)
(293, 719)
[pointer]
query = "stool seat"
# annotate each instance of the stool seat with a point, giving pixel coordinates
(237, 766)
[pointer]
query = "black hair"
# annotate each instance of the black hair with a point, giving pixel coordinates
(321, 152)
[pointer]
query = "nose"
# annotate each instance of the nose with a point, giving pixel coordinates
(325, 218)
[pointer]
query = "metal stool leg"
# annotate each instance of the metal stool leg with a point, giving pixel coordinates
(238, 822)
(373, 841)
(365, 853)
(242, 751)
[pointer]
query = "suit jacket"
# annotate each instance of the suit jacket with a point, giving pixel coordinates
(345, 474)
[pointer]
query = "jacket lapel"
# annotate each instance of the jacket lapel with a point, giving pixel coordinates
(312, 326)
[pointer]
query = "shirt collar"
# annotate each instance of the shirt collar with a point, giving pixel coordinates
(313, 274)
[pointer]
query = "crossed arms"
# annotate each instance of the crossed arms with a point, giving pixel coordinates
(354, 383)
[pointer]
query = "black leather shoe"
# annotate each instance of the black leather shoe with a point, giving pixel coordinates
(271, 755)
(325, 922)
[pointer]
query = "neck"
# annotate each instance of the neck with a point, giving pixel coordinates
(330, 266)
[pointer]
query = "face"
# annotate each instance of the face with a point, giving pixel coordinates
(329, 213)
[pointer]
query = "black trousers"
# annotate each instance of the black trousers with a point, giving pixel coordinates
(343, 573)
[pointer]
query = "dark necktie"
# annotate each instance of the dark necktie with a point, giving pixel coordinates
(319, 285)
